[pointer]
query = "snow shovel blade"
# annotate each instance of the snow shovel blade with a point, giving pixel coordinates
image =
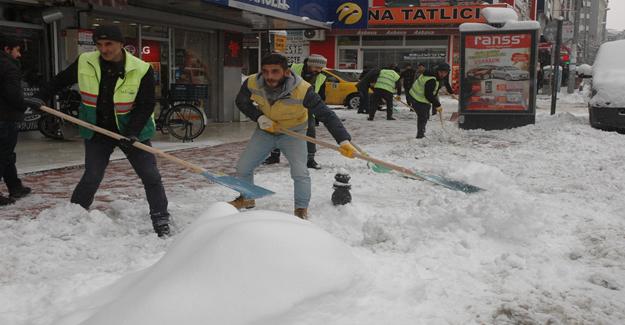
(378, 169)
(247, 190)
(449, 183)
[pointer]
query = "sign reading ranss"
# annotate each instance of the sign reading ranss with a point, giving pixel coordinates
(445, 15)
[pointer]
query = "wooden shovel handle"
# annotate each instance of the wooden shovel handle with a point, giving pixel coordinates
(360, 155)
(139, 145)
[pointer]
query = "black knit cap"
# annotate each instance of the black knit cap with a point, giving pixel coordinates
(108, 32)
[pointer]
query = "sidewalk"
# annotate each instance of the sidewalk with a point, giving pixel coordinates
(37, 153)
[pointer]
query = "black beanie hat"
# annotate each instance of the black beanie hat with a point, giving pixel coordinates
(108, 32)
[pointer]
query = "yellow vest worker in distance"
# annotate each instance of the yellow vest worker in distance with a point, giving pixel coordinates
(310, 71)
(423, 95)
(117, 91)
(384, 88)
(284, 100)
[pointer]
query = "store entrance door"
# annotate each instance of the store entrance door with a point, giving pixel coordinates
(33, 63)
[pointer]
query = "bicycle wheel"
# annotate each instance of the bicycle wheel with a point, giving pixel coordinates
(185, 122)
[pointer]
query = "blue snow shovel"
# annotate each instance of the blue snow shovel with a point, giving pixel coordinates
(247, 190)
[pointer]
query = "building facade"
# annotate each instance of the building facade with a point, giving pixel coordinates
(199, 43)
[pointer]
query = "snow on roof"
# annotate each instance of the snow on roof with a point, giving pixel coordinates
(510, 25)
(499, 15)
(608, 75)
(584, 69)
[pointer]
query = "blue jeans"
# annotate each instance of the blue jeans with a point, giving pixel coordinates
(259, 147)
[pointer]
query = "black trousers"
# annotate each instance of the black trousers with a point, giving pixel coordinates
(376, 97)
(423, 115)
(8, 141)
(97, 154)
(364, 101)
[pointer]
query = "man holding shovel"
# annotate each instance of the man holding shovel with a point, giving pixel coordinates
(423, 95)
(117, 92)
(283, 100)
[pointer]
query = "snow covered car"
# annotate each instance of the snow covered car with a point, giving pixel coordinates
(607, 105)
(510, 73)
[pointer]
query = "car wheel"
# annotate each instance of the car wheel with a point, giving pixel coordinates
(508, 77)
(353, 101)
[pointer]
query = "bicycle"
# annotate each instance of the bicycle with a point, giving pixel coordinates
(52, 126)
(179, 116)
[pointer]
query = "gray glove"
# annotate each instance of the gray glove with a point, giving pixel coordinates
(34, 103)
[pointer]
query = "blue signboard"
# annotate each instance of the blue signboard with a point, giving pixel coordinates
(317, 10)
(349, 14)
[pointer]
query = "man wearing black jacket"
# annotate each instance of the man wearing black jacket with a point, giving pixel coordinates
(11, 111)
(117, 92)
(367, 78)
(423, 95)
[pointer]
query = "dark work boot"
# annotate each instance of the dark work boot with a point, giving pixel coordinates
(274, 158)
(20, 192)
(6, 200)
(160, 222)
(312, 164)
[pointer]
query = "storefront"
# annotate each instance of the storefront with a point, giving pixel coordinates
(196, 42)
(400, 33)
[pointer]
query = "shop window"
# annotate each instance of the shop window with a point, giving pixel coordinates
(348, 40)
(379, 58)
(195, 62)
(348, 58)
(382, 40)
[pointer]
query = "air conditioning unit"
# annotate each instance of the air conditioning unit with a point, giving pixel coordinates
(315, 35)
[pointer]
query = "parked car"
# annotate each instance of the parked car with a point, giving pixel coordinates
(510, 73)
(482, 72)
(607, 105)
(341, 88)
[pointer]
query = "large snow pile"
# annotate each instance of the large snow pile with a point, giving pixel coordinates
(608, 75)
(227, 268)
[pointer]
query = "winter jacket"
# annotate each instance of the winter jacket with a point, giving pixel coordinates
(311, 102)
(318, 81)
(110, 72)
(432, 86)
(370, 77)
(11, 94)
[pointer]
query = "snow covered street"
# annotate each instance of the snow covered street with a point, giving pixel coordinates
(543, 244)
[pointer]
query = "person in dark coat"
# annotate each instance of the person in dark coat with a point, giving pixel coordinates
(11, 112)
(363, 86)
(408, 77)
(117, 92)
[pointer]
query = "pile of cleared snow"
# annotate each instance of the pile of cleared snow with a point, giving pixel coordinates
(608, 75)
(227, 268)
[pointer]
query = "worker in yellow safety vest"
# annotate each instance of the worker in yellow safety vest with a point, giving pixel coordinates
(276, 99)
(311, 71)
(117, 91)
(423, 95)
(383, 89)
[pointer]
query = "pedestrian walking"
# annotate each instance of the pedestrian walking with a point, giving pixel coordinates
(424, 94)
(11, 112)
(310, 70)
(117, 92)
(283, 100)
(384, 88)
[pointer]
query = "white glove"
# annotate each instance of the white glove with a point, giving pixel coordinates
(267, 124)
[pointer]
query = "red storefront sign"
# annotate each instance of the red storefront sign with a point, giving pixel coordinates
(426, 15)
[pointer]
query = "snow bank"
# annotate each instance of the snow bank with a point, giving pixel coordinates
(609, 75)
(499, 15)
(227, 268)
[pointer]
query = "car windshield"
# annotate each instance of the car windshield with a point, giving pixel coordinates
(512, 68)
(345, 75)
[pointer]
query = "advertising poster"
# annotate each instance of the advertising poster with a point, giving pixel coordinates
(497, 72)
